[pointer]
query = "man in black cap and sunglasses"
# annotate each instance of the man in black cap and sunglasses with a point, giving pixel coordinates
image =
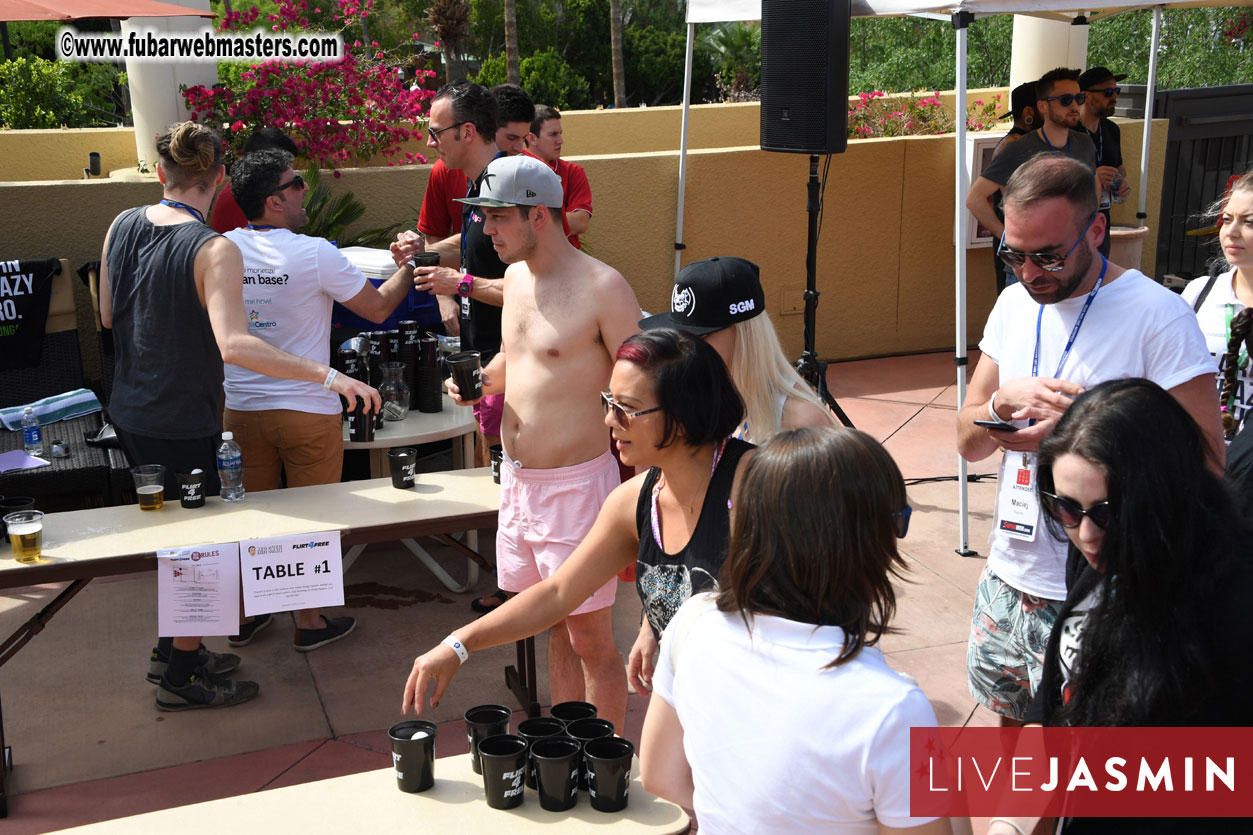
(1101, 87)
(1058, 101)
(1074, 320)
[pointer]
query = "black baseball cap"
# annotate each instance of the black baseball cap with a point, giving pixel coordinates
(712, 295)
(1097, 75)
(1022, 96)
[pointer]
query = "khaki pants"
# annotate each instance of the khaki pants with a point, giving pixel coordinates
(309, 447)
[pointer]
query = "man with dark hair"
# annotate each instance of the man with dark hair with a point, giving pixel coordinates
(226, 213)
(1057, 100)
(1101, 87)
(1025, 119)
(290, 283)
(565, 315)
(514, 113)
(545, 141)
(1074, 320)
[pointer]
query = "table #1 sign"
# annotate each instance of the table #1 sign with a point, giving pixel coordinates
(286, 573)
(198, 590)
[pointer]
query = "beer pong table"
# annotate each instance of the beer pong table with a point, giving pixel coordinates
(81, 545)
(370, 802)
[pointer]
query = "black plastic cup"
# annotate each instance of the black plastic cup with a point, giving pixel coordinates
(403, 459)
(393, 344)
(504, 768)
(497, 453)
(609, 772)
(481, 722)
(557, 763)
(413, 754)
(12, 505)
(533, 730)
(191, 489)
(584, 731)
(467, 373)
(360, 423)
(569, 712)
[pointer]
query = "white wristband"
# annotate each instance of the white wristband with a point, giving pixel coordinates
(992, 407)
(330, 379)
(1008, 822)
(456, 646)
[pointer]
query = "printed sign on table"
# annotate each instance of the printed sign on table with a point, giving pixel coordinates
(198, 590)
(286, 573)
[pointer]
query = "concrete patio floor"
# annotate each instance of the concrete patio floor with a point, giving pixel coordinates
(88, 744)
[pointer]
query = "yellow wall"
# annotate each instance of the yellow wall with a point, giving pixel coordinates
(62, 154)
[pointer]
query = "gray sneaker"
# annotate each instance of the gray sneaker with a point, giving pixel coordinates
(204, 690)
(218, 663)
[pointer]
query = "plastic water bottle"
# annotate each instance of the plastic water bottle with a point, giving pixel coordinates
(32, 435)
(231, 468)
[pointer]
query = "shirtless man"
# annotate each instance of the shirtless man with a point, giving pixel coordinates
(565, 315)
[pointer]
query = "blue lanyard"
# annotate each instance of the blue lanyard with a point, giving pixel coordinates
(1045, 137)
(196, 213)
(1074, 333)
(258, 228)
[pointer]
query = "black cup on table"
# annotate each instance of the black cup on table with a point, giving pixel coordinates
(557, 762)
(533, 730)
(360, 423)
(467, 373)
(584, 731)
(413, 753)
(503, 758)
(609, 772)
(403, 460)
(191, 488)
(428, 384)
(569, 712)
(481, 722)
(12, 505)
(497, 453)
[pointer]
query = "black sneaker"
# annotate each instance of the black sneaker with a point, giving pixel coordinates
(249, 630)
(310, 639)
(204, 690)
(217, 663)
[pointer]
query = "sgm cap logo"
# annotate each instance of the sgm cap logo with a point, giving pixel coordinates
(711, 295)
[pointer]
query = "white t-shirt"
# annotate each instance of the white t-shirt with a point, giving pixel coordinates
(1213, 318)
(1135, 328)
(776, 743)
(290, 283)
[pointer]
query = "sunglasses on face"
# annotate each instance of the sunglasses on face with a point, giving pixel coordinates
(435, 132)
(298, 182)
(900, 520)
(1070, 514)
(1047, 261)
(620, 415)
(1067, 99)
(1107, 92)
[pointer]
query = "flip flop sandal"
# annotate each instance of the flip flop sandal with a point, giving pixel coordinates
(483, 608)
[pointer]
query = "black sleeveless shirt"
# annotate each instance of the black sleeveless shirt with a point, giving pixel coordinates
(664, 581)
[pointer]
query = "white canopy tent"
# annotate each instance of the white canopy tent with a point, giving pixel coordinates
(961, 12)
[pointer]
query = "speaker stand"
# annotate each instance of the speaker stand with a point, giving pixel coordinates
(812, 369)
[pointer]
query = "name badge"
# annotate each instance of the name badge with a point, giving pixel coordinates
(1018, 505)
(465, 307)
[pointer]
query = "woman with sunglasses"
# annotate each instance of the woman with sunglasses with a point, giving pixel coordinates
(670, 408)
(1155, 626)
(773, 711)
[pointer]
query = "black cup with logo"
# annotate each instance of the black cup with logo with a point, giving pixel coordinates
(409, 336)
(403, 460)
(497, 453)
(533, 730)
(584, 731)
(467, 373)
(557, 762)
(191, 488)
(481, 722)
(360, 423)
(503, 758)
(413, 753)
(569, 712)
(609, 772)
(429, 385)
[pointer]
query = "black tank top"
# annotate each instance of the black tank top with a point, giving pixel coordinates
(664, 581)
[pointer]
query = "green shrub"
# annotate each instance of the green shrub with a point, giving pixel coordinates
(40, 94)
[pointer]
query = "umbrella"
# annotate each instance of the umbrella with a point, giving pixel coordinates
(76, 9)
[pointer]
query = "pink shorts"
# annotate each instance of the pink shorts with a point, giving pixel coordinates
(544, 515)
(488, 411)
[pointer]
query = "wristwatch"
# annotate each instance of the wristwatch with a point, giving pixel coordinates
(465, 286)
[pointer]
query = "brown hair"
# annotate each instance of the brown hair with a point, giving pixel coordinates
(813, 538)
(1241, 334)
(1049, 175)
(191, 154)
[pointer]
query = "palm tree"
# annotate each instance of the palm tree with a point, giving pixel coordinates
(451, 19)
(512, 72)
(619, 66)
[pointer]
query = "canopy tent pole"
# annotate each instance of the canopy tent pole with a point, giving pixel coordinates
(1149, 92)
(961, 23)
(687, 99)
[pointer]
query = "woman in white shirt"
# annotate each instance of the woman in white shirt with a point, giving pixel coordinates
(1222, 302)
(772, 711)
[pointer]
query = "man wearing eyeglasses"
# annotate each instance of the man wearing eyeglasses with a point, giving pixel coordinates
(290, 283)
(1101, 87)
(1074, 320)
(1058, 101)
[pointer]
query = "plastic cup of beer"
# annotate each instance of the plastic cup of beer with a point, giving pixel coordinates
(26, 534)
(150, 485)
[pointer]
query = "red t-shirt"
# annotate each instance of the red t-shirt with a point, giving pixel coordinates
(575, 192)
(440, 216)
(226, 213)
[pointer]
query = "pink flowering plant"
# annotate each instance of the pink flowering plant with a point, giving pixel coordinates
(339, 113)
(876, 114)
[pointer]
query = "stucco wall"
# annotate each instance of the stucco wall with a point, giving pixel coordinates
(62, 154)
